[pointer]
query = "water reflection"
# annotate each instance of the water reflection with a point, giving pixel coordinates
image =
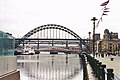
(49, 67)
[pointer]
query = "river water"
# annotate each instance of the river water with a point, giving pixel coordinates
(49, 67)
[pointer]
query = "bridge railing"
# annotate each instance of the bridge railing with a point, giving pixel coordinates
(100, 71)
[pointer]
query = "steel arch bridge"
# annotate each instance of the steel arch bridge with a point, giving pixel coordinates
(51, 34)
(52, 26)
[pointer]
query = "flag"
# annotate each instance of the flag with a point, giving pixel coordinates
(104, 14)
(106, 8)
(105, 3)
(106, 11)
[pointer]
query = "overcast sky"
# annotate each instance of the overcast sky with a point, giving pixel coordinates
(20, 16)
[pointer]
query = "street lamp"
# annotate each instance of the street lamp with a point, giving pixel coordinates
(93, 19)
(89, 42)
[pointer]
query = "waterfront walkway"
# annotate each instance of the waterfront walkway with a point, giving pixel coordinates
(115, 64)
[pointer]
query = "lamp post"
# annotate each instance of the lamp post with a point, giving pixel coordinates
(89, 42)
(93, 19)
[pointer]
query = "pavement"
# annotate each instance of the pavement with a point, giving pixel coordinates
(115, 64)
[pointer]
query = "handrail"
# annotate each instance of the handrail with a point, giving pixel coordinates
(85, 72)
(100, 70)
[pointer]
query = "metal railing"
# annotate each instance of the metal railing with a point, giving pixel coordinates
(84, 65)
(100, 70)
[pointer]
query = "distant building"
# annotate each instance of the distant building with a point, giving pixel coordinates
(110, 35)
(97, 37)
(109, 44)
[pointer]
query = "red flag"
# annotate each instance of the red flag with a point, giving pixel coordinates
(105, 3)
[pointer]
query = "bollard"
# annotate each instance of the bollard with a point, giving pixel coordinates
(111, 59)
(103, 72)
(110, 74)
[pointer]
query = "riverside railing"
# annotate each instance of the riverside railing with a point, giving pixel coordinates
(85, 72)
(100, 71)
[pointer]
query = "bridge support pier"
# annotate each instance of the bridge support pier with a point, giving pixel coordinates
(23, 44)
(38, 45)
(52, 43)
(66, 44)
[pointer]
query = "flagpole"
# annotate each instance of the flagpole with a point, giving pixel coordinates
(99, 21)
(104, 11)
(94, 19)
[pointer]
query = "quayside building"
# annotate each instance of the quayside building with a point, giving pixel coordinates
(8, 62)
(110, 43)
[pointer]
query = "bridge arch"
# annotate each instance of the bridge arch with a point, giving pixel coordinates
(49, 33)
(51, 26)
